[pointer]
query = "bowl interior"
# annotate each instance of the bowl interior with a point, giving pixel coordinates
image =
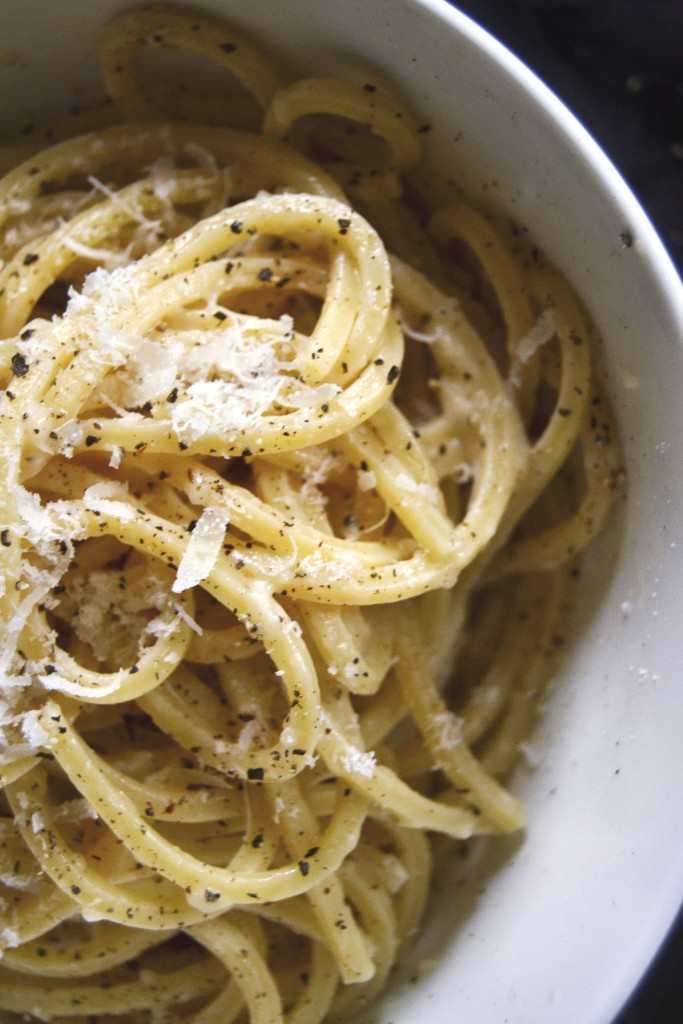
(559, 924)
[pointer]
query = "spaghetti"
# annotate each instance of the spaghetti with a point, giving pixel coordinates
(295, 478)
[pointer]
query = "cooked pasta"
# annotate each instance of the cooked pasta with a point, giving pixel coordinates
(296, 475)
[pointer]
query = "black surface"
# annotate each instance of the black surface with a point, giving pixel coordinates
(618, 66)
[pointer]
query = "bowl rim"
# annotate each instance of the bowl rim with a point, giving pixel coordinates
(602, 166)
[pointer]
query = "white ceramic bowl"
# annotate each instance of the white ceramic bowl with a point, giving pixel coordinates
(556, 928)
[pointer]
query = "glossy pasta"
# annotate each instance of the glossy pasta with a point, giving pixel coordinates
(295, 473)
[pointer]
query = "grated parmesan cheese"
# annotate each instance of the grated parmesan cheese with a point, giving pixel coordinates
(202, 549)
(447, 730)
(15, 752)
(9, 937)
(48, 526)
(394, 872)
(356, 761)
(108, 257)
(187, 619)
(37, 821)
(539, 335)
(279, 808)
(366, 479)
(115, 459)
(410, 485)
(34, 732)
(109, 498)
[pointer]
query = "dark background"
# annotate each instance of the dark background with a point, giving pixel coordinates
(618, 66)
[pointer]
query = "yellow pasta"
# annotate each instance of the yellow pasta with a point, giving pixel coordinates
(296, 476)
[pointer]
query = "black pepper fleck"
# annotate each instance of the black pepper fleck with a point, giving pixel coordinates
(19, 365)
